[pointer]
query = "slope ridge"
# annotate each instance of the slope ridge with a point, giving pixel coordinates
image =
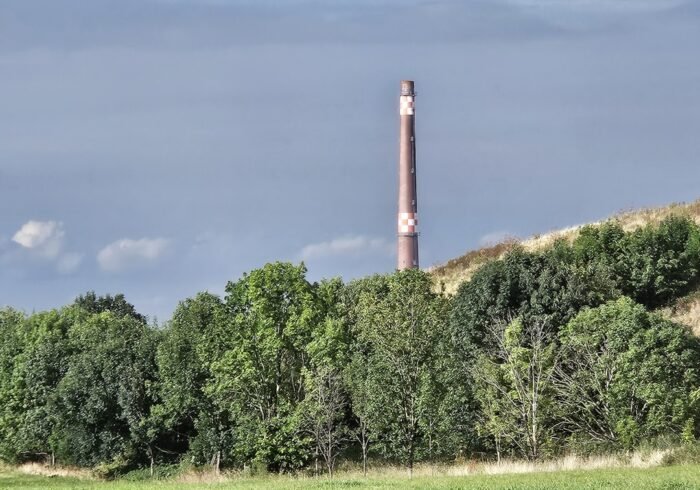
(455, 271)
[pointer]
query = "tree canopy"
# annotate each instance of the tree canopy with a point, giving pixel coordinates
(540, 353)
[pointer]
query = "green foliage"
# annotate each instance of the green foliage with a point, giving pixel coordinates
(403, 327)
(540, 353)
(186, 412)
(117, 305)
(104, 398)
(258, 376)
(548, 288)
(11, 346)
(627, 375)
(514, 387)
(652, 265)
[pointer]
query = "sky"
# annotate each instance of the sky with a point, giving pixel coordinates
(158, 148)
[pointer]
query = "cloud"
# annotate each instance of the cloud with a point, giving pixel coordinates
(43, 237)
(40, 243)
(127, 253)
(345, 246)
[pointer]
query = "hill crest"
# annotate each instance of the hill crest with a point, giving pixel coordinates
(455, 271)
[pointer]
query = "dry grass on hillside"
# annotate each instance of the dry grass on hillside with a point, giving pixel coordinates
(461, 269)
(686, 311)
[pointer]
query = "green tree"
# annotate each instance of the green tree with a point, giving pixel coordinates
(116, 304)
(626, 376)
(11, 349)
(326, 399)
(662, 263)
(259, 376)
(41, 368)
(514, 386)
(548, 288)
(32, 374)
(402, 328)
(186, 411)
(356, 370)
(106, 393)
(653, 264)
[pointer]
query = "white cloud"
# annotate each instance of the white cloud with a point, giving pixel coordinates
(38, 243)
(127, 253)
(348, 245)
(43, 237)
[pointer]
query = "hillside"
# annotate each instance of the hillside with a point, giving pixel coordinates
(452, 273)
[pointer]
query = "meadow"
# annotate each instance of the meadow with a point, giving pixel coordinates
(667, 477)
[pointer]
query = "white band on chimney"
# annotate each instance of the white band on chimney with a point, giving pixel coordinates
(408, 222)
(406, 106)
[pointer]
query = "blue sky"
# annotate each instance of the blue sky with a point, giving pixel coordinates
(163, 147)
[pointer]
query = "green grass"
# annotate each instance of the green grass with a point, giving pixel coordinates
(664, 478)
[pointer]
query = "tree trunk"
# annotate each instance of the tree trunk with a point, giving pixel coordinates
(316, 462)
(330, 453)
(151, 459)
(53, 459)
(430, 451)
(364, 457)
(218, 463)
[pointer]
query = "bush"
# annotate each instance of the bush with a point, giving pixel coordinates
(109, 470)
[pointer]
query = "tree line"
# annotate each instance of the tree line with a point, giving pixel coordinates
(539, 354)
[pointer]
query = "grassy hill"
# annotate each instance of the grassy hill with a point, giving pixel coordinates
(452, 273)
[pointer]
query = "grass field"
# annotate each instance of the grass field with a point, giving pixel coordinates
(666, 478)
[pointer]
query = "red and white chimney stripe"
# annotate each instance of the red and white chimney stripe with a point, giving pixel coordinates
(408, 222)
(407, 106)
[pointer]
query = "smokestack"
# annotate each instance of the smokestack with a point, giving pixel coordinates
(408, 197)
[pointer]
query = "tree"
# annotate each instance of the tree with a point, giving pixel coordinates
(653, 264)
(548, 288)
(543, 291)
(356, 370)
(514, 387)
(626, 376)
(662, 263)
(117, 305)
(105, 396)
(324, 413)
(402, 329)
(41, 367)
(186, 411)
(11, 348)
(259, 376)
(326, 400)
